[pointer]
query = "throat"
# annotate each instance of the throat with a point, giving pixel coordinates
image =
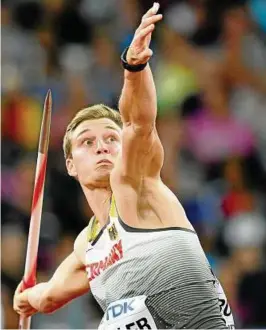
(102, 217)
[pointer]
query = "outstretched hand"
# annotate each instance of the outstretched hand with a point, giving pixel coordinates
(139, 51)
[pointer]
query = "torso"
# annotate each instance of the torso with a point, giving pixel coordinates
(149, 249)
(163, 263)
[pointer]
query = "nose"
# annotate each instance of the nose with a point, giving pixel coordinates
(101, 148)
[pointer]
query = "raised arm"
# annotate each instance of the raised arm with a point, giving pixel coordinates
(138, 104)
(68, 282)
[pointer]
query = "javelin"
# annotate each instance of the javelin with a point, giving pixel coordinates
(29, 278)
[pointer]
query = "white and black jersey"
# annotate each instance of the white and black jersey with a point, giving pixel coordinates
(166, 266)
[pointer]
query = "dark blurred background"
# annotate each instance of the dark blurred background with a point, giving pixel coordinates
(209, 65)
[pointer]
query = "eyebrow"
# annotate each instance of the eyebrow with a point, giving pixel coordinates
(112, 127)
(82, 132)
(87, 130)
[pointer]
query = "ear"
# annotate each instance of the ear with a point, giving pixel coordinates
(71, 169)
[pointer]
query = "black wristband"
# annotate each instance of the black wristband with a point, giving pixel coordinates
(131, 68)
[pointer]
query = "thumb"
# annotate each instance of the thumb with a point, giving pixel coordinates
(145, 55)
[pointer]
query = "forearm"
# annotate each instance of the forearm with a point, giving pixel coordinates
(68, 282)
(46, 299)
(37, 296)
(138, 99)
(41, 299)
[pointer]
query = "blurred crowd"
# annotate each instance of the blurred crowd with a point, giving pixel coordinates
(209, 65)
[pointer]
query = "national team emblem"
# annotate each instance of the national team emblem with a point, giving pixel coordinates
(113, 233)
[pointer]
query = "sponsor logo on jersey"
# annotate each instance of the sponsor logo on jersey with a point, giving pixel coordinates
(128, 313)
(96, 268)
(118, 309)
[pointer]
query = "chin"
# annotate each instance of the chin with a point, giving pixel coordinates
(100, 178)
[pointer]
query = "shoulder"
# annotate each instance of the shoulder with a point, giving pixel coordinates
(80, 245)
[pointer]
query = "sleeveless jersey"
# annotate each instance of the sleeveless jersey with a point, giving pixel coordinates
(165, 269)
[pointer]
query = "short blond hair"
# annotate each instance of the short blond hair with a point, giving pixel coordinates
(97, 111)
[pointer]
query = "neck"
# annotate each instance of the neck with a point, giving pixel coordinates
(99, 201)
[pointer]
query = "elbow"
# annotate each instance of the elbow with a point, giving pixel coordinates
(144, 128)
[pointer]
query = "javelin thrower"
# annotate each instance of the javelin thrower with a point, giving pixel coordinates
(139, 255)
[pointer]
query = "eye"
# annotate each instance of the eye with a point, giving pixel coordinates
(88, 142)
(112, 139)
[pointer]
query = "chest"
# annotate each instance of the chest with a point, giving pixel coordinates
(105, 250)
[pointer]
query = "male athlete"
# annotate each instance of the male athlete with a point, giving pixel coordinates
(140, 256)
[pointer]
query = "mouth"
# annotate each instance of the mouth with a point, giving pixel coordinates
(104, 161)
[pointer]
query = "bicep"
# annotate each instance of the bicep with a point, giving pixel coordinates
(142, 152)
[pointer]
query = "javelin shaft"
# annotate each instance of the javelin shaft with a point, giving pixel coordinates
(37, 202)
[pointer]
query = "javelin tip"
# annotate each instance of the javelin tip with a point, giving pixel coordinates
(48, 100)
(46, 122)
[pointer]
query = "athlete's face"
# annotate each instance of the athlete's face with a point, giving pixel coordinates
(95, 147)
